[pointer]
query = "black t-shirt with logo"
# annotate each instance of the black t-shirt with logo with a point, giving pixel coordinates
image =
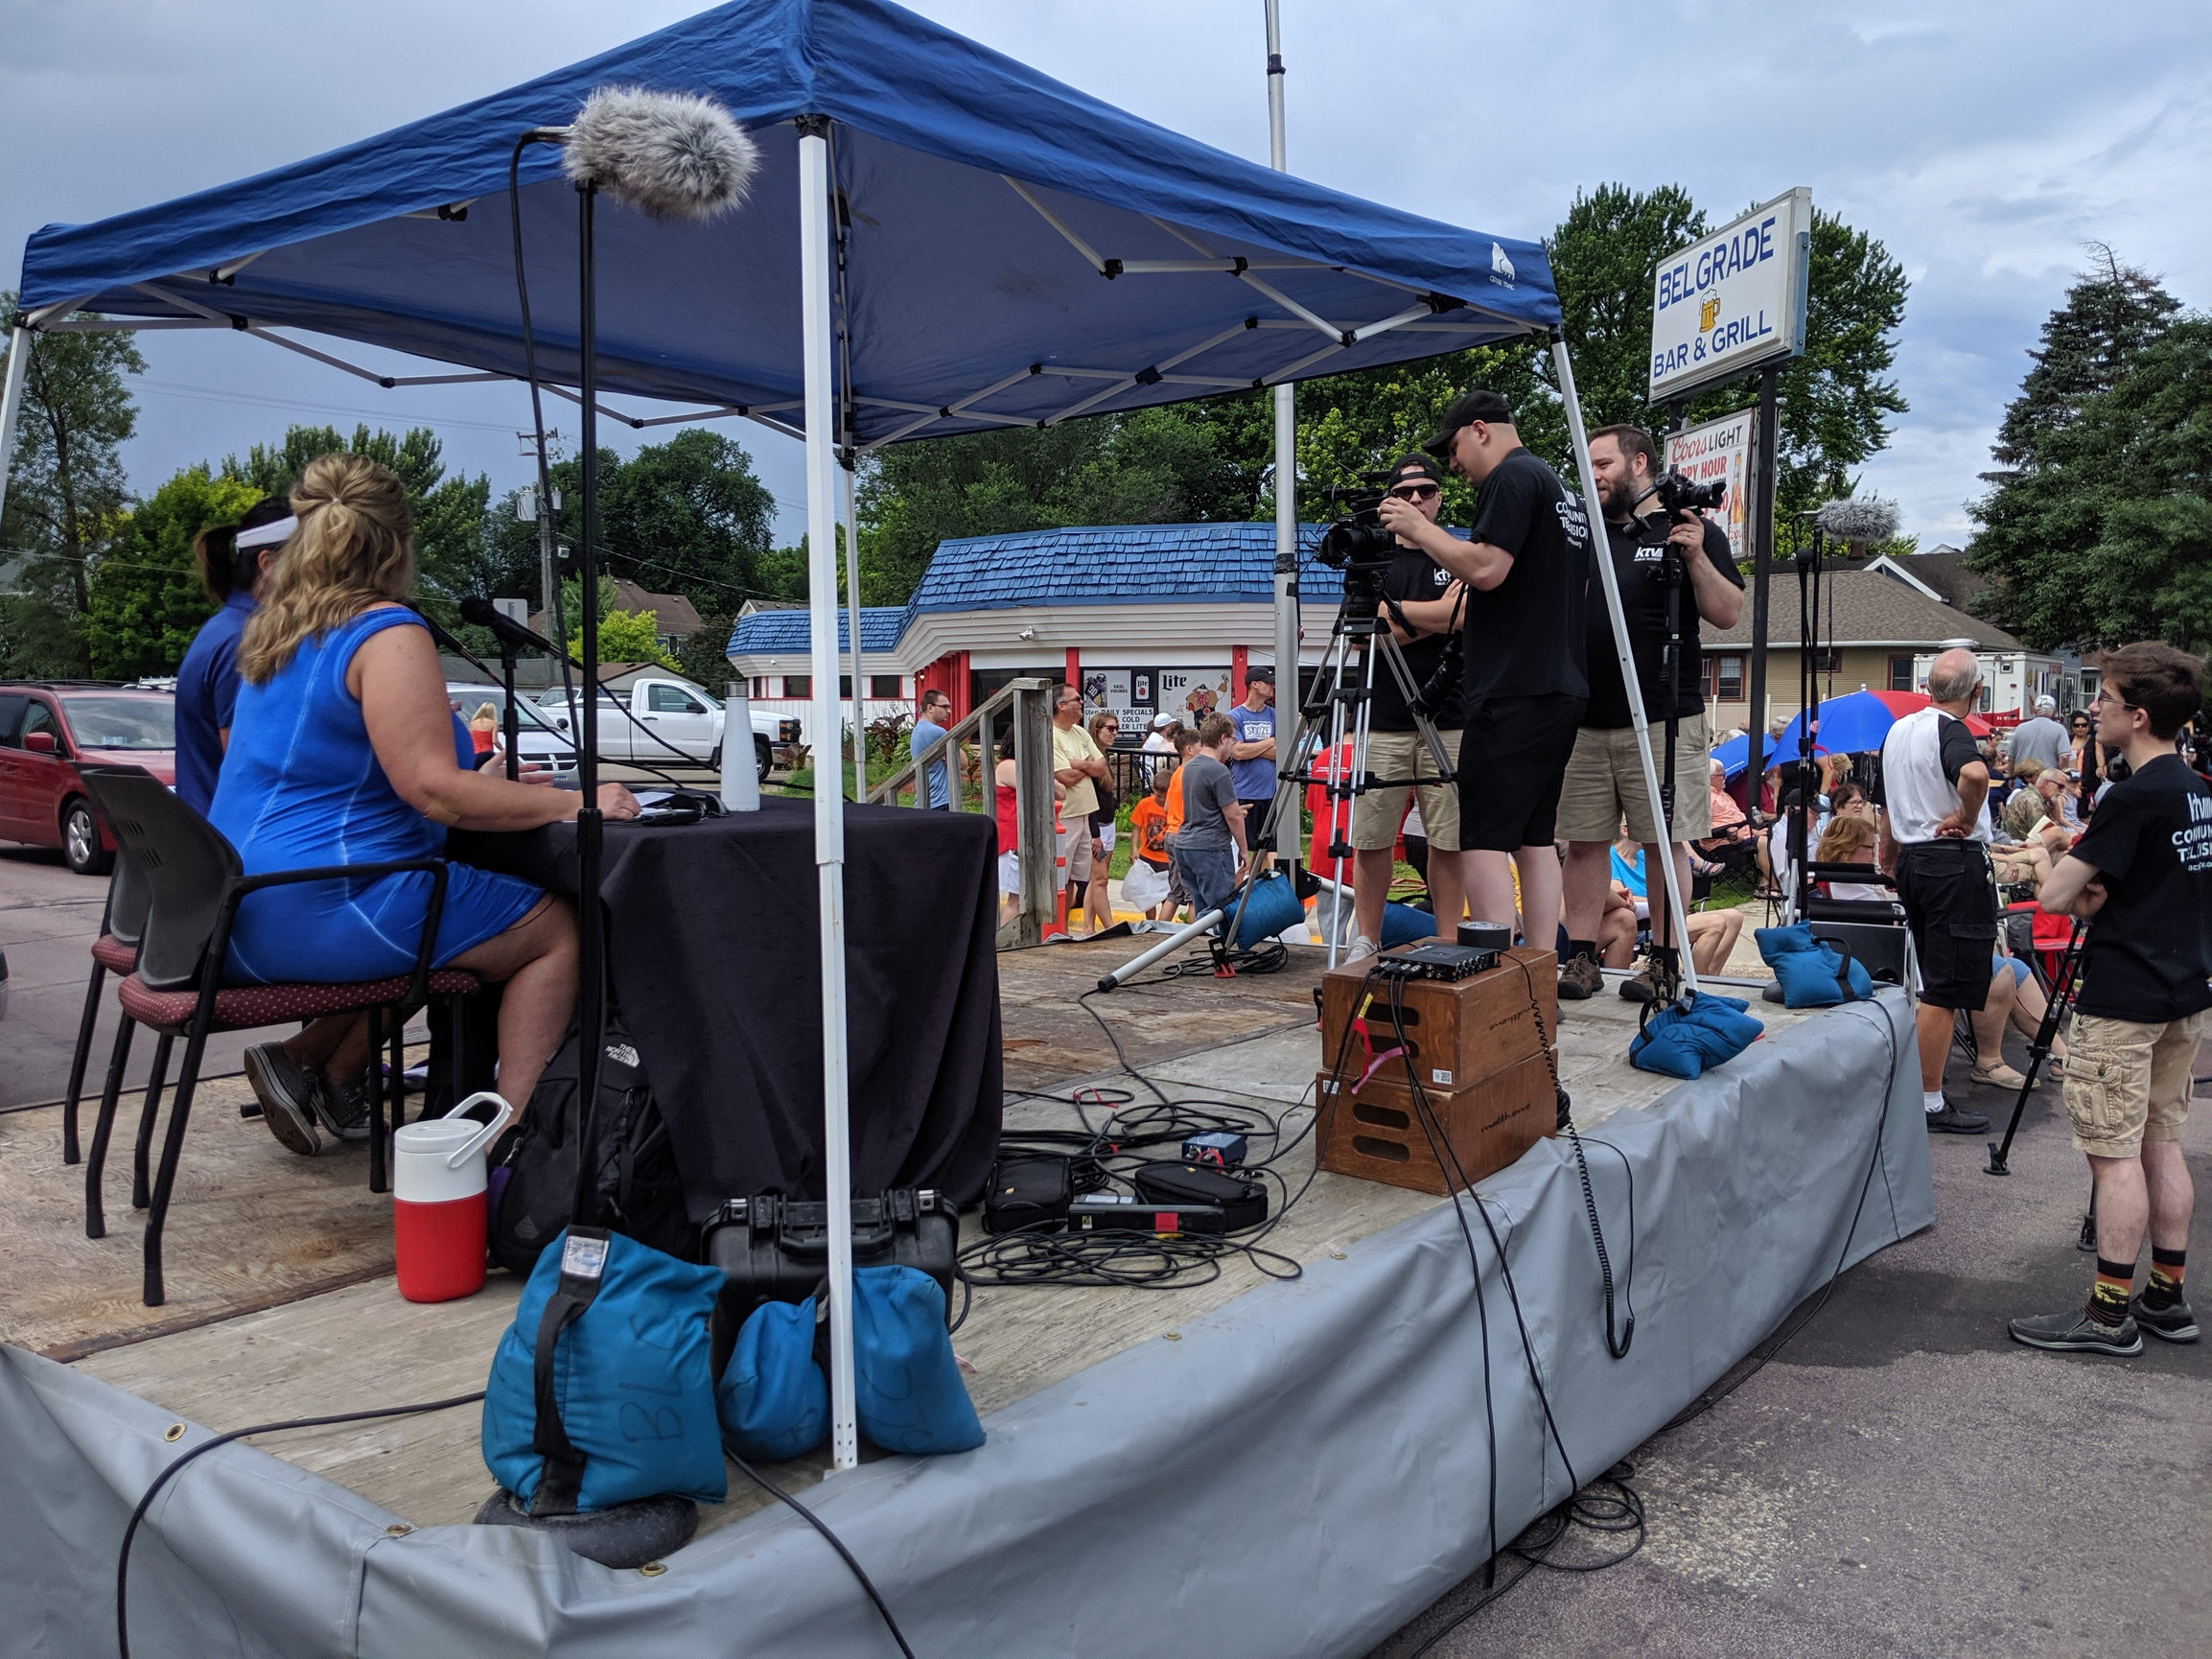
(2150, 945)
(1413, 576)
(1637, 549)
(1525, 636)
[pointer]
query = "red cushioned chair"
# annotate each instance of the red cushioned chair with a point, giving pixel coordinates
(196, 884)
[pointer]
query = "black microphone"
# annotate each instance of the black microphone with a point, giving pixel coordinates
(477, 609)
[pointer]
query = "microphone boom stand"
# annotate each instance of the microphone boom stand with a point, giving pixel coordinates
(590, 924)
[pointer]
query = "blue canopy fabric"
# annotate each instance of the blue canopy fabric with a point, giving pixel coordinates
(998, 230)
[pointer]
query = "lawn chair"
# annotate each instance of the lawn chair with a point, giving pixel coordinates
(114, 951)
(196, 883)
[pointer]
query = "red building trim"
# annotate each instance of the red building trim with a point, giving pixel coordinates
(1075, 667)
(1239, 657)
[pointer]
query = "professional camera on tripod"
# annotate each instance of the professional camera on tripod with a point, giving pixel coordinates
(1356, 544)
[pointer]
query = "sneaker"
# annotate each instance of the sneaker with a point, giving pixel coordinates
(1580, 977)
(2075, 1332)
(1641, 986)
(1952, 1121)
(344, 1109)
(2171, 1323)
(290, 1096)
(1361, 947)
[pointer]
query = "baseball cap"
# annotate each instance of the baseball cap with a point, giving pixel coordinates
(1471, 406)
(1260, 672)
(1161, 723)
(1415, 466)
(2046, 705)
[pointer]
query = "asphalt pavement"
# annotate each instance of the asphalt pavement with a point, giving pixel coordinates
(1902, 1478)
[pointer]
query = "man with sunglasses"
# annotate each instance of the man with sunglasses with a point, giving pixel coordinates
(1527, 568)
(1423, 605)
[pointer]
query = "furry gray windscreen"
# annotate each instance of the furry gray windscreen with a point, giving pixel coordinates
(1872, 520)
(668, 154)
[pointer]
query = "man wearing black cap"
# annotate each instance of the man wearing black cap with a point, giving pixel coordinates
(1528, 566)
(1423, 605)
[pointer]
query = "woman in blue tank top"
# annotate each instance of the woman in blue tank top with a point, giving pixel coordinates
(342, 751)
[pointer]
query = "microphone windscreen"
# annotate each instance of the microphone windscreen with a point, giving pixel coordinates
(1872, 520)
(668, 154)
(477, 609)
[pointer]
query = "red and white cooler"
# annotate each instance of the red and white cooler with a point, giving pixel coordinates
(438, 1220)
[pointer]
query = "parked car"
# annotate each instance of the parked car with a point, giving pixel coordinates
(655, 714)
(47, 729)
(538, 739)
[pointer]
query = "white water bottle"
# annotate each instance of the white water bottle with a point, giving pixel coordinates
(740, 773)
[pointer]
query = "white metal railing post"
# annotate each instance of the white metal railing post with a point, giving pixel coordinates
(817, 342)
(11, 403)
(1595, 508)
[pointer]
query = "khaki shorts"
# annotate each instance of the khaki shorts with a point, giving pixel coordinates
(1605, 784)
(1075, 849)
(1377, 814)
(2128, 1082)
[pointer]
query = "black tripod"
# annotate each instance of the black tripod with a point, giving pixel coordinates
(1809, 667)
(1664, 953)
(2063, 984)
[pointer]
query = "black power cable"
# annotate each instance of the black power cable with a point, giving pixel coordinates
(138, 1514)
(834, 1541)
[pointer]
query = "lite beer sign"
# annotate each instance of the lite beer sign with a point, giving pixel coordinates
(1732, 302)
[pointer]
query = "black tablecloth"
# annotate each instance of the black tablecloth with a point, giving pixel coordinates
(714, 947)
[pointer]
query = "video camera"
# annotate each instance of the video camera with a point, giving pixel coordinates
(1677, 494)
(1356, 539)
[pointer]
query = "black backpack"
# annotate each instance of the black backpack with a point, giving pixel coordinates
(534, 1164)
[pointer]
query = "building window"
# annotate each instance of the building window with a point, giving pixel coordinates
(1728, 678)
(845, 687)
(1828, 661)
(886, 686)
(760, 686)
(1900, 673)
(799, 685)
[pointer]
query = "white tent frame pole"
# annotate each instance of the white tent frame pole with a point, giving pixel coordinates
(845, 473)
(11, 403)
(1287, 691)
(819, 342)
(1676, 910)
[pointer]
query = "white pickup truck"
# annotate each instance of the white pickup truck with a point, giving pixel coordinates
(660, 721)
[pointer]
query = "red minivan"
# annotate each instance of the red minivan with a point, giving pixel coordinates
(50, 728)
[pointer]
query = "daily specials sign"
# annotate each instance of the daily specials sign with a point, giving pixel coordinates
(1732, 302)
(1719, 453)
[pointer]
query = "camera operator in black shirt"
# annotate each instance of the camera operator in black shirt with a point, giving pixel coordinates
(1423, 605)
(1605, 777)
(1526, 567)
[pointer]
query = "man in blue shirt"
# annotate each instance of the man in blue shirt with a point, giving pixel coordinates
(936, 717)
(232, 561)
(1252, 756)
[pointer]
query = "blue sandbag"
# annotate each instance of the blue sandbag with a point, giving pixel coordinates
(1810, 970)
(1271, 909)
(1403, 924)
(631, 1375)
(1691, 1037)
(906, 1383)
(772, 1401)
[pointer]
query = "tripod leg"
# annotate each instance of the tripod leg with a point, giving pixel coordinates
(2088, 1241)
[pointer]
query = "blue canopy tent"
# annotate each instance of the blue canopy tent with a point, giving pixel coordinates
(939, 240)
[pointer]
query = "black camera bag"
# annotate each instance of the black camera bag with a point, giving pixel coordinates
(1242, 1202)
(772, 1249)
(1028, 1190)
(534, 1163)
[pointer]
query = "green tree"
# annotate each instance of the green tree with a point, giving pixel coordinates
(624, 637)
(704, 658)
(67, 492)
(146, 602)
(2104, 534)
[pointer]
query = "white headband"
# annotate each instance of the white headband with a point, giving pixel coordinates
(265, 535)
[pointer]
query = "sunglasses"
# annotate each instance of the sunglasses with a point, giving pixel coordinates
(1414, 492)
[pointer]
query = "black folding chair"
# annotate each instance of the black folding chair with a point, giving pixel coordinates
(196, 883)
(114, 951)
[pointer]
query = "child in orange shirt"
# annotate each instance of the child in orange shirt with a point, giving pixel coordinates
(1149, 838)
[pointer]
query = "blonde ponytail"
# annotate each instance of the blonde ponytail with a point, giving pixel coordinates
(351, 550)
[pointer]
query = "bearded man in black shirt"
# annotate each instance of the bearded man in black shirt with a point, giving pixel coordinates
(1605, 777)
(1526, 567)
(2142, 873)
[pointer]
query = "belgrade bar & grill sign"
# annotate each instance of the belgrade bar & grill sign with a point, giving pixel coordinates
(1734, 301)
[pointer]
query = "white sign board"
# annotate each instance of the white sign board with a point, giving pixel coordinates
(1719, 453)
(1732, 302)
(514, 610)
(1191, 694)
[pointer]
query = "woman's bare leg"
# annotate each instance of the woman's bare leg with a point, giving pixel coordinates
(537, 959)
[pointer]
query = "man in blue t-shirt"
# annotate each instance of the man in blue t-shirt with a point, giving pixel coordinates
(1251, 755)
(935, 718)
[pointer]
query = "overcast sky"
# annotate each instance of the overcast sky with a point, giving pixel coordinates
(1985, 144)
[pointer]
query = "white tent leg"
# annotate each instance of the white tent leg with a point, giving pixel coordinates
(829, 798)
(11, 403)
(1286, 487)
(852, 623)
(1675, 908)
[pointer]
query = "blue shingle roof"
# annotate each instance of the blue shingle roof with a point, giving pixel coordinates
(787, 633)
(1115, 565)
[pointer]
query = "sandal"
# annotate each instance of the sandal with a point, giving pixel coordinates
(1999, 1076)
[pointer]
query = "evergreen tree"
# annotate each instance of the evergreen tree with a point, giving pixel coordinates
(2110, 315)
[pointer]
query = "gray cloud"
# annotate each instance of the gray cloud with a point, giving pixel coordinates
(1985, 144)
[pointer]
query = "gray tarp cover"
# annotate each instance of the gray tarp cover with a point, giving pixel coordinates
(1300, 1474)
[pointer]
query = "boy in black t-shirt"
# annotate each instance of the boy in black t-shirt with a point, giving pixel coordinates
(1527, 566)
(2142, 872)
